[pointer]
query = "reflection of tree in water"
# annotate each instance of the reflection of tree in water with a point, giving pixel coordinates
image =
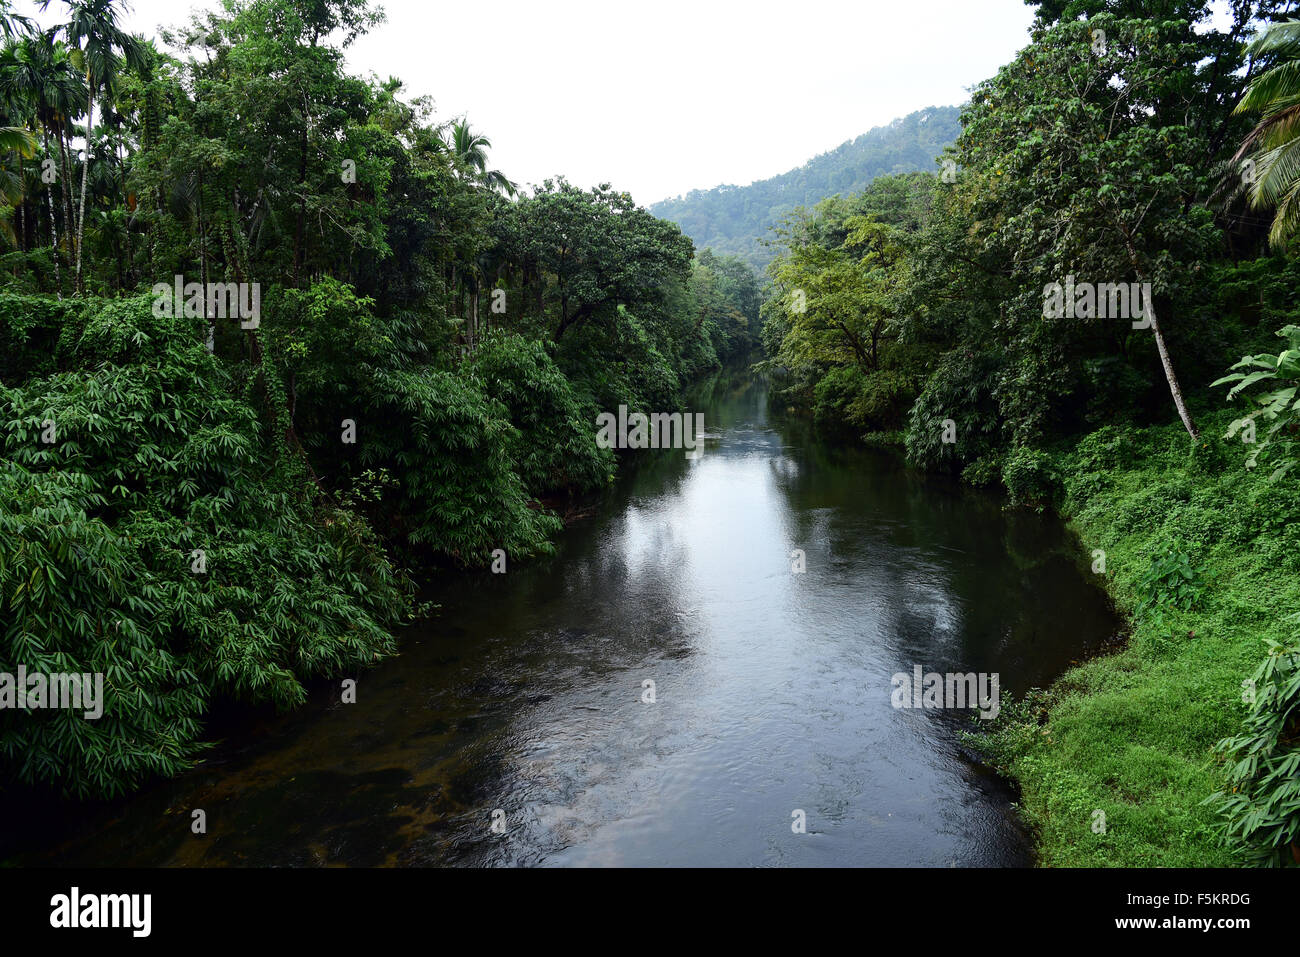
(988, 586)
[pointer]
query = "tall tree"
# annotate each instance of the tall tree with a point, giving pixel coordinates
(1077, 160)
(37, 70)
(470, 149)
(103, 46)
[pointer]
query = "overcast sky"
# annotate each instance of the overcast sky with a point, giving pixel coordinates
(659, 97)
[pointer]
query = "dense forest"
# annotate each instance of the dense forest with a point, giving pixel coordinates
(736, 220)
(276, 342)
(202, 502)
(1134, 145)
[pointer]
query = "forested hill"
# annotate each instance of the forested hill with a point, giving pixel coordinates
(732, 219)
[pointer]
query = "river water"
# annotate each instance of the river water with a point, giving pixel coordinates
(523, 700)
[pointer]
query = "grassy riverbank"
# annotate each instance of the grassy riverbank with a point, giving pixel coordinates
(1132, 734)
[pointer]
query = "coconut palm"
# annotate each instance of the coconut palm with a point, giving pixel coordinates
(1271, 153)
(471, 149)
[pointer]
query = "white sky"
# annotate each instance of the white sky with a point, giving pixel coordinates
(659, 97)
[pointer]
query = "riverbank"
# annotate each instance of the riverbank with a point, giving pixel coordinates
(1132, 734)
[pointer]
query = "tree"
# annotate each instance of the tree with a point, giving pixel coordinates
(102, 46)
(37, 72)
(1076, 161)
(16, 144)
(1273, 146)
(603, 249)
(12, 24)
(470, 149)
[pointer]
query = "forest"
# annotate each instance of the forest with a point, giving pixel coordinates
(1127, 143)
(203, 508)
(211, 501)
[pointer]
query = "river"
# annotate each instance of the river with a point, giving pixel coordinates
(523, 702)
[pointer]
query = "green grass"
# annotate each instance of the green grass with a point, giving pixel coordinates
(1132, 734)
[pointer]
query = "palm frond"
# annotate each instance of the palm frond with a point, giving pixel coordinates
(15, 139)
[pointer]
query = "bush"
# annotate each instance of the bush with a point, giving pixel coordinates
(1029, 477)
(1278, 409)
(450, 447)
(983, 472)
(555, 444)
(1261, 800)
(960, 389)
(153, 460)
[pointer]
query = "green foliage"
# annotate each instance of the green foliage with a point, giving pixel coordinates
(1274, 181)
(29, 335)
(832, 323)
(983, 472)
(153, 458)
(1279, 409)
(958, 390)
(469, 340)
(1132, 732)
(727, 295)
(864, 400)
(554, 446)
(450, 444)
(1261, 797)
(1112, 163)
(1172, 581)
(1029, 477)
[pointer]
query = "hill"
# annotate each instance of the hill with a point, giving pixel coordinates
(732, 219)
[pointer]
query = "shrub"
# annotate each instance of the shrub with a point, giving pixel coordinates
(1029, 477)
(1261, 800)
(960, 389)
(1279, 409)
(154, 458)
(450, 445)
(555, 444)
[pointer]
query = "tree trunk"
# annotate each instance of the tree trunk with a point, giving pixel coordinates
(85, 171)
(54, 229)
(22, 208)
(126, 207)
(1174, 388)
(65, 177)
(298, 235)
(473, 311)
(203, 271)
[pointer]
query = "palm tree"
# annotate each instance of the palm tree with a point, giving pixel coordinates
(1274, 144)
(38, 73)
(93, 32)
(14, 141)
(11, 24)
(470, 152)
(470, 149)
